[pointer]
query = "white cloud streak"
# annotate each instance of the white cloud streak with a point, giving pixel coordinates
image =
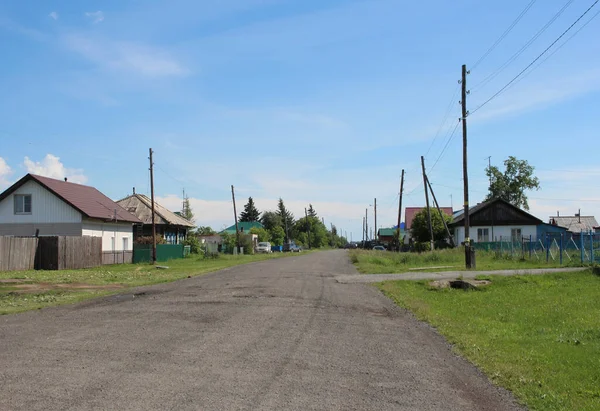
(53, 15)
(129, 57)
(95, 16)
(5, 173)
(51, 166)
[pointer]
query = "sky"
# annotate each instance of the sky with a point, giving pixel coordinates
(321, 102)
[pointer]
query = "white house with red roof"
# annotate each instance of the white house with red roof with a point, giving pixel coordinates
(49, 207)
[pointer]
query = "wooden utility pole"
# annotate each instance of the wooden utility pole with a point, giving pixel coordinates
(427, 204)
(307, 225)
(363, 232)
(441, 214)
(400, 208)
(366, 224)
(237, 231)
(463, 102)
(376, 235)
(153, 215)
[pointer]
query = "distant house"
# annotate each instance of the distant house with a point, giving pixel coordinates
(411, 212)
(244, 227)
(575, 224)
(496, 220)
(51, 207)
(386, 235)
(172, 227)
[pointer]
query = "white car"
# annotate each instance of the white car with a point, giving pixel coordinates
(263, 247)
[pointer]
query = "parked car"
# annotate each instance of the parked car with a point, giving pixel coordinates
(379, 248)
(263, 247)
(291, 247)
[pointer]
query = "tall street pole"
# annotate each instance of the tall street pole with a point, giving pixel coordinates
(468, 262)
(427, 204)
(376, 234)
(153, 215)
(237, 231)
(400, 208)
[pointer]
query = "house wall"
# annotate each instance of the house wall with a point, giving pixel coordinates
(46, 208)
(108, 231)
(500, 233)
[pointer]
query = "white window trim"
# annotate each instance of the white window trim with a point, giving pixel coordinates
(30, 204)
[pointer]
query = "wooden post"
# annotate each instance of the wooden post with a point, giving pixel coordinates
(400, 209)
(427, 203)
(441, 214)
(463, 102)
(237, 231)
(307, 226)
(153, 212)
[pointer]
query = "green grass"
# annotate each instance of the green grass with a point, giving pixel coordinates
(127, 275)
(538, 336)
(387, 262)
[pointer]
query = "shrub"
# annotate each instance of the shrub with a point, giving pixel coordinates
(194, 244)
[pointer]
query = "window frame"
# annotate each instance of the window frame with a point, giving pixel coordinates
(483, 235)
(515, 238)
(19, 199)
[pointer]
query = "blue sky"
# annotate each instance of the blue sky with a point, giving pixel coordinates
(320, 102)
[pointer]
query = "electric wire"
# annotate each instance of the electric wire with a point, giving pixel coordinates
(506, 32)
(446, 146)
(443, 123)
(511, 59)
(535, 60)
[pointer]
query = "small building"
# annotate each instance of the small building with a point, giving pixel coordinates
(43, 206)
(170, 226)
(386, 235)
(496, 220)
(574, 224)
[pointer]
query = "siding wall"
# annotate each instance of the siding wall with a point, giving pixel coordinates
(109, 230)
(500, 232)
(45, 208)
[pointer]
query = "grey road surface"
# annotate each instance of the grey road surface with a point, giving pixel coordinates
(276, 335)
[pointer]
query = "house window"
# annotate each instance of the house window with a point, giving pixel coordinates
(515, 234)
(22, 203)
(483, 235)
(125, 243)
(112, 243)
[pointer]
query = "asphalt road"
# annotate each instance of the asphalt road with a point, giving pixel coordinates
(276, 335)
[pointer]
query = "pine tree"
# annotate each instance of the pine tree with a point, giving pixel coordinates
(250, 213)
(187, 212)
(311, 211)
(287, 218)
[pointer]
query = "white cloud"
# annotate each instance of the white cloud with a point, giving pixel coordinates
(53, 15)
(5, 172)
(52, 167)
(95, 16)
(126, 56)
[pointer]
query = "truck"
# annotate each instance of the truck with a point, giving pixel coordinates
(291, 247)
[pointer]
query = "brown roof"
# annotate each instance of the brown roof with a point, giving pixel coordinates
(141, 206)
(575, 224)
(85, 199)
(410, 212)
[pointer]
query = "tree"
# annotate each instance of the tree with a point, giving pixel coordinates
(287, 218)
(205, 230)
(311, 211)
(186, 211)
(277, 235)
(511, 185)
(270, 220)
(250, 213)
(420, 228)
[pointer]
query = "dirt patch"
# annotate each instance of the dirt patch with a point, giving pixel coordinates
(19, 287)
(11, 281)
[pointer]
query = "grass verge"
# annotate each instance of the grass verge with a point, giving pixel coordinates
(538, 336)
(387, 262)
(30, 290)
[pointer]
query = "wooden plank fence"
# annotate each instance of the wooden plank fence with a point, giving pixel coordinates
(17, 253)
(67, 253)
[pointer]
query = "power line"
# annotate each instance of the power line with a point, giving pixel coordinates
(512, 58)
(556, 50)
(536, 59)
(443, 123)
(508, 30)
(445, 147)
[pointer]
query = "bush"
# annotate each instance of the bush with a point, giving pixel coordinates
(194, 244)
(421, 247)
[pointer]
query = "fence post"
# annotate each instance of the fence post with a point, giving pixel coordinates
(581, 247)
(547, 249)
(592, 246)
(561, 248)
(530, 245)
